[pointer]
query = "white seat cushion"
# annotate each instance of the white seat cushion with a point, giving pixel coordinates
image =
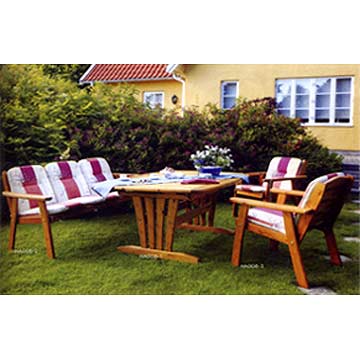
(271, 219)
(83, 200)
(52, 209)
(251, 188)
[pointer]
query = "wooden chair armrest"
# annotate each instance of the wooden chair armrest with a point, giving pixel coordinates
(287, 192)
(11, 194)
(269, 205)
(297, 177)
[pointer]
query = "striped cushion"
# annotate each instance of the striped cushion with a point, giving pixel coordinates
(251, 188)
(283, 167)
(322, 179)
(31, 179)
(69, 183)
(271, 219)
(97, 170)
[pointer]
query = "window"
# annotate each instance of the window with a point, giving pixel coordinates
(229, 93)
(317, 101)
(154, 99)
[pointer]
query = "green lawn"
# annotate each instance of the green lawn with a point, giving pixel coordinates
(88, 262)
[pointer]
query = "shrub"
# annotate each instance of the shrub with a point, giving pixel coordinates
(46, 118)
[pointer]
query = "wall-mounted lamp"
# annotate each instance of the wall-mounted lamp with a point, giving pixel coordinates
(174, 99)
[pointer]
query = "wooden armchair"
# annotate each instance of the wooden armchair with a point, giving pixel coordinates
(282, 173)
(319, 207)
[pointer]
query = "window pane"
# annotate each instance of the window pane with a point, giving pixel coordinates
(283, 90)
(285, 102)
(302, 86)
(158, 98)
(342, 116)
(284, 112)
(149, 98)
(302, 101)
(153, 99)
(230, 89)
(303, 115)
(229, 102)
(322, 101)
(343, 100)
(323, 85)
(322, 116)
(343, 85)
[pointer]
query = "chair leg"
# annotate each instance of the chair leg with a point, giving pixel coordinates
(50, 251)
(295, 252)
(12, 233)
(239, 235)
(13, 223)
(298, 265)
(333, 250)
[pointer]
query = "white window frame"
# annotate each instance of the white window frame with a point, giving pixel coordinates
(312, 100)
(146, 93)
(222, 95)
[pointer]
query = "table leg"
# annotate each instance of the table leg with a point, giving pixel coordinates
(156, 217)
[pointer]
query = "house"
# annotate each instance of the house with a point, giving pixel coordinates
(325, 97)
(156, 86)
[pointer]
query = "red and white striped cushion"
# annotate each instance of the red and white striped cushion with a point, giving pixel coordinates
(322, 179)
(283, 167)
(96, 170)
(69, 184)
(278, 167)
(32, 179)
(271, 219)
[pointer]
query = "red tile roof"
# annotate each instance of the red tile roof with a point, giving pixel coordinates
(126, 72)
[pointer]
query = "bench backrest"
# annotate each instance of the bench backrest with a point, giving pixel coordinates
(67, 180)
(95, 170)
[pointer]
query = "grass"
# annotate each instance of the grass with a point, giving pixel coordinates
(88, 262)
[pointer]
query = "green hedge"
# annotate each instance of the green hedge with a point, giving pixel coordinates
(45, 118)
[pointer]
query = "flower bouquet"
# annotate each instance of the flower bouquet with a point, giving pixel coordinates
(212, 159)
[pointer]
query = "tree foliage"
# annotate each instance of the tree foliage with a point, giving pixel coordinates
(72, 72)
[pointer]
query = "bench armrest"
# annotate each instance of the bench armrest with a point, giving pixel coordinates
(269, 205)
(14, 195)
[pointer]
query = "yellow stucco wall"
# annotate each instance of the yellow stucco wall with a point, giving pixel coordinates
(203, 85)
(168, 87)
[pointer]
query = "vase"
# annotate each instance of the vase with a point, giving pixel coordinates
(213, 170)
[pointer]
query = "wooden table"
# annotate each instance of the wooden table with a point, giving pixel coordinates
(162, 208)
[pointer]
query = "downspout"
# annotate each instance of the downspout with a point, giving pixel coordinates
(183, 92)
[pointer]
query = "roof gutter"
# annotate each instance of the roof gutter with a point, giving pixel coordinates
(81, 81)
(171, 69)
